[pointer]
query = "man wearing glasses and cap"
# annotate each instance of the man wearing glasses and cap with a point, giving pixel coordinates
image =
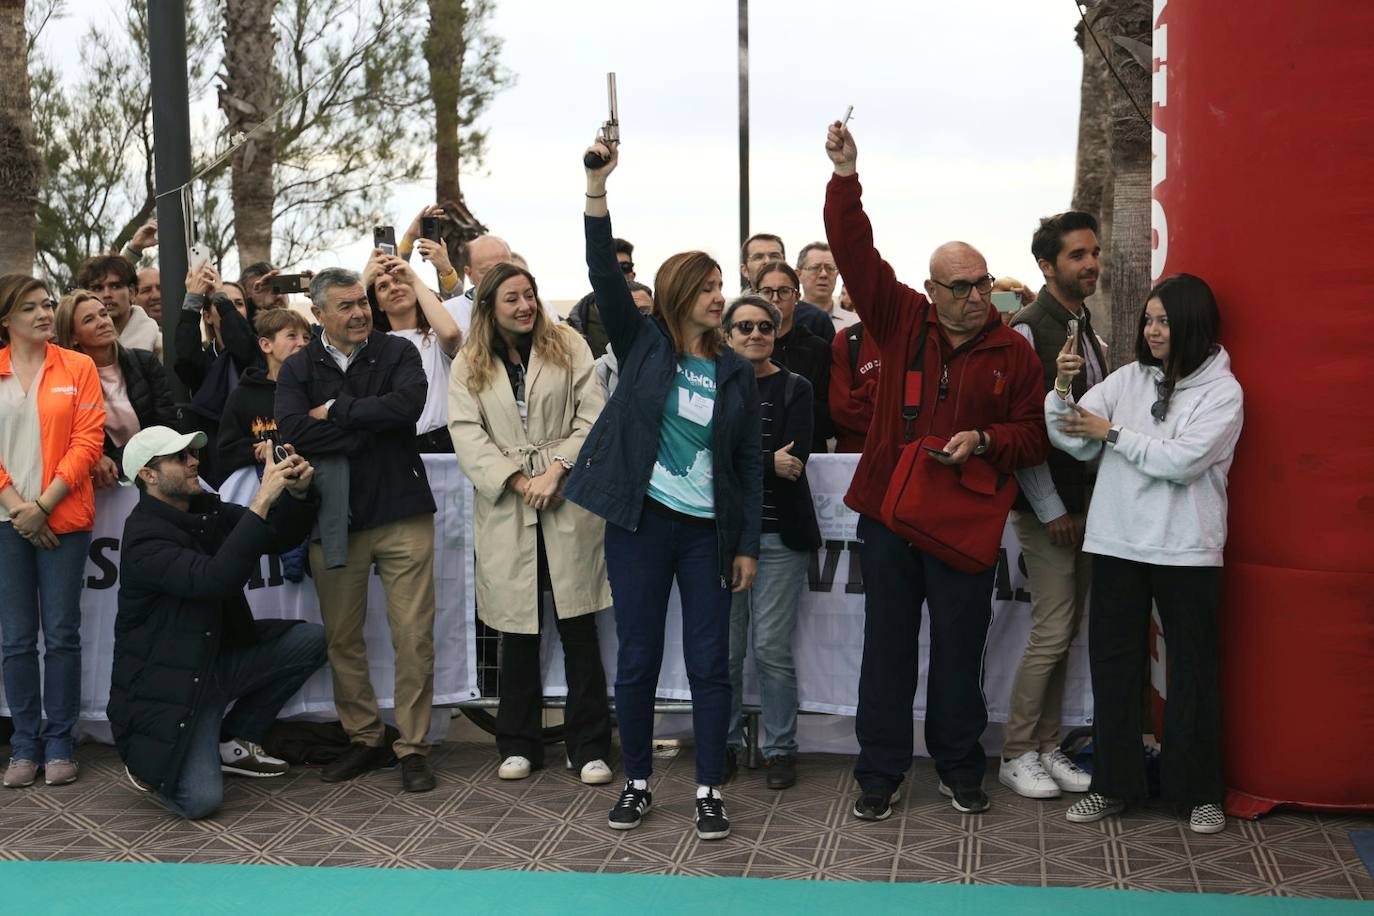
(951, 370)
(186, 643)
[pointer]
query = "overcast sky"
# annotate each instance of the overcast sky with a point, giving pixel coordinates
(965, 114)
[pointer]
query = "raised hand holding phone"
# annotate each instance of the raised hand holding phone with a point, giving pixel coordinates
(1068, 364)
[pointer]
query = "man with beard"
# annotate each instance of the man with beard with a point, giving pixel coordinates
(1049, 516)
(112, 278)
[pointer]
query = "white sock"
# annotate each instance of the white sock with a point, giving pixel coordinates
(703, 791)
(640, 784)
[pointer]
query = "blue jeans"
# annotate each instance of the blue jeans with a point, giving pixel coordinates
(42, 586)
(261, 679)
(642, 565)
(769, 612)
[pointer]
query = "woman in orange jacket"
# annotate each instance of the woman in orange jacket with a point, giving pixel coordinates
(52, 420)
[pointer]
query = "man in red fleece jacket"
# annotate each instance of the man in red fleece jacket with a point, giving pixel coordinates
(983, 390)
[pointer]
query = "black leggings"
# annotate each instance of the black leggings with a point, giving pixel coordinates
(1119, 622)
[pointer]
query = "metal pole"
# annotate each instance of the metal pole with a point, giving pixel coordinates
(171, 164)
(743, 124)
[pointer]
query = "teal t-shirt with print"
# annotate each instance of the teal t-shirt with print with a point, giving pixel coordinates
(681, 478)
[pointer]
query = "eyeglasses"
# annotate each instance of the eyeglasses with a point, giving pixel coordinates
(1160, 408)
(180, 457)
(960, 289)
(777, 292)
(627, 267)
(746, 326)
(821, 268)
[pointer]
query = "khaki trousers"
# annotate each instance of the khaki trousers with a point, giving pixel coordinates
(404, 553)
(1059, 581)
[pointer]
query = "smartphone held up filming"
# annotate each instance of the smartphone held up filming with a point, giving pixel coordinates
(384, 238)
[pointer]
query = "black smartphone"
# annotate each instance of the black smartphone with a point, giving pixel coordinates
(384, 237)
(289, 283)
(429, 228)
(938, 453)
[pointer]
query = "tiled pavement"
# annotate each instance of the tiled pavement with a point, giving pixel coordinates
(552, 822)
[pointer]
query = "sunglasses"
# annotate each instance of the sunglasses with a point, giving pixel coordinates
(1160, 408)
(747, 327)
(627, 267)
(180, 457)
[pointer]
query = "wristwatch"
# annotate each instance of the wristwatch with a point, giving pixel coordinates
(1112, 435)
(982, 442)
(567, 465)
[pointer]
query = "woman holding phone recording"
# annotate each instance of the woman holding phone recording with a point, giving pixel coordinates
(522, 397)
(1165, 428)
(673, 465)
(51, 429)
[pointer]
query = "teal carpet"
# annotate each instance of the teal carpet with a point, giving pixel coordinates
(87, 888)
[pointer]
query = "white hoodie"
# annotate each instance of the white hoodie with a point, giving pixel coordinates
(1161, 489)
(142, 332)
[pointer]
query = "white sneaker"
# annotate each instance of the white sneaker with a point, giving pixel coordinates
(1068, 775)
(1207, 819)
(247, 758)
(1026, 777)
(514, 768)
(596, 773)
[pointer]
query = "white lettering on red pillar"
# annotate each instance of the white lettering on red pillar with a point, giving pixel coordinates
(1159, 159)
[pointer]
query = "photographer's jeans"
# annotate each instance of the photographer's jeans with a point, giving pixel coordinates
(769, 612)
(258, 680)
(41, 589)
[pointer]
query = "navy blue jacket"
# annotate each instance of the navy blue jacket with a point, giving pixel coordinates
(181, 578)
(372, 422)
(613, 468)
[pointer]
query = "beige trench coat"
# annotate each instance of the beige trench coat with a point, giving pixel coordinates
(492, 444)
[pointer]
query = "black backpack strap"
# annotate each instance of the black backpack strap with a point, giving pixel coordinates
(854, 334)
(789, 388)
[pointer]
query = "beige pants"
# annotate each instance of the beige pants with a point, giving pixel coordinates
(1059, 580)
(404, 554)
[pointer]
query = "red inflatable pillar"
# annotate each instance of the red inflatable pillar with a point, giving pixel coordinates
(1264, 186)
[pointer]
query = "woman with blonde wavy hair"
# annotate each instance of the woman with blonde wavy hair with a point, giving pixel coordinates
(522, 397)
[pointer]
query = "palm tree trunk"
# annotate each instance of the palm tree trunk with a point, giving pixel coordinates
(247, 98)
(1129, 261)
(444, 49)
(1092, 184)
(19, 162)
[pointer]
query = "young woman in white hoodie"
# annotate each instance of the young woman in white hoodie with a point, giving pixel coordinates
(1165, 428)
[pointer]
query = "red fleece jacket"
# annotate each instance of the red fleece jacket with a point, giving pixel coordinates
(995, 382)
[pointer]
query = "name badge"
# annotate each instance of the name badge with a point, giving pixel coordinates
(695, 407)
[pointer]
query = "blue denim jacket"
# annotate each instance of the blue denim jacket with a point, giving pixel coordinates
(613, 467)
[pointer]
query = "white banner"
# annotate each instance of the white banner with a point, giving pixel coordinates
(271, 596)
(829, 639)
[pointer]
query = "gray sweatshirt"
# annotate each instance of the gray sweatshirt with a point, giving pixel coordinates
(1161, 489)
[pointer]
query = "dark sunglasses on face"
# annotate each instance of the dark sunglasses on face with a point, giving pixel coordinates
(180, 457)
(746, 327)
(627, 267)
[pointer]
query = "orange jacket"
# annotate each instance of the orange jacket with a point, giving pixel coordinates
(71, 423)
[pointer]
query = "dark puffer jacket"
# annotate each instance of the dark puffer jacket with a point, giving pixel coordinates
(146, 383)
(181, 578)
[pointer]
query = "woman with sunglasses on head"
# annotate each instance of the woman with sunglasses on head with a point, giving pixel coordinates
(51, 430)
(522, 397)
(1165, 428)
(796, 348)
(133, 382)
(768, 610)
(673, 465)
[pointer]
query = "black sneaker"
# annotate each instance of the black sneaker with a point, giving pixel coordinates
(875, 806)
(416, 775)
(782, 771)
(631, 808)
(731, 762)
(712, 824)
(969, 799)
(357, 760)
